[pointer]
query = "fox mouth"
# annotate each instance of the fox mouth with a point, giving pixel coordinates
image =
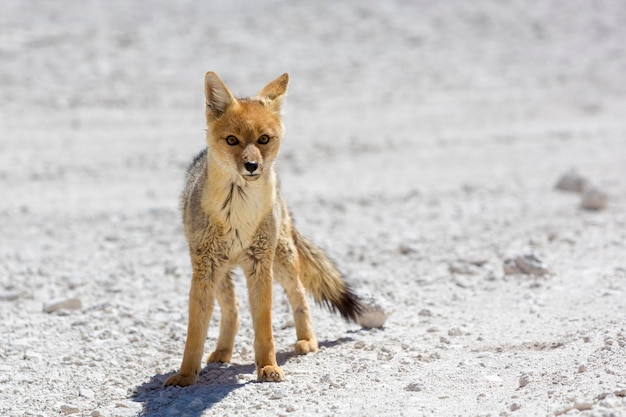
(251, 177)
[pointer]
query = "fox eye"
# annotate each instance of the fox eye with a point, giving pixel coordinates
(232, 141)
(264, 140)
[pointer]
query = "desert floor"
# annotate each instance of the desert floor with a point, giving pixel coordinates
(424, 141)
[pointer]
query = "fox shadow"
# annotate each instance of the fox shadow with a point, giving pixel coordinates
(215, 382)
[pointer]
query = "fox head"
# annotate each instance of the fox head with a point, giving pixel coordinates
(244, 135)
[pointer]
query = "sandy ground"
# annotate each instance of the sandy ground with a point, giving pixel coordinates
(424, 141)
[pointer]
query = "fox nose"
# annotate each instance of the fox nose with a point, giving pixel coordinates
(251, 166)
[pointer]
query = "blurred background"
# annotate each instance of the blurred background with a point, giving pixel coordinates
(90, 89)
(64, 54)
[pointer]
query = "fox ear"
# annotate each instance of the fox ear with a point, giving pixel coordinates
(218, 97)
(277, 89)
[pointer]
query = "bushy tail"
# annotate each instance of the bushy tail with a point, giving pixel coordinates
(324, 282)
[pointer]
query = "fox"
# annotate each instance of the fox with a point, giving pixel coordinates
(234, 215)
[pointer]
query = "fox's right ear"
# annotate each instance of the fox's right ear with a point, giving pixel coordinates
(218, 97)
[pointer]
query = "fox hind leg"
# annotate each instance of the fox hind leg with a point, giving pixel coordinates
(286, 271)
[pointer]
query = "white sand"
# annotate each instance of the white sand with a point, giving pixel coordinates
(424, 140)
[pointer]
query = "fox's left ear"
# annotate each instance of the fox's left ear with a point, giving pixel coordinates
(276, 90)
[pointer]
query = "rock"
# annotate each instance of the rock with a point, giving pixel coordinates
(463, 267)
(493, 378)
(510, 268)
(414, 387)
(69, 409)
(455, 331)
(62, 304)
(571, 181)
(514, 407)
(375, 312)
(527, 264)
(196, 403)
(10, 295)
(581, 406)
(594, 199)
(524, 380)
(86, 393)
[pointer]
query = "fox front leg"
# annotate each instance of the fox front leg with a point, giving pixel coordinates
(259, 276)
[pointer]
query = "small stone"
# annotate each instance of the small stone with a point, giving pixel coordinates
(406, 249)
(581, 406)
(425, 312)
(510, 268)
(463, 267)
(69, 409)
(86, 393)
(62, 304)
(493, 378)
(454, 332)
(375, 312)
(530, 264)
(524, 380)
(330, 379)
(96, 413)
(514, 407)
(571, 181)
(196, 403)
(581, 369)
(594, 199)
(414, 387)
(527, 264)
(10, 295)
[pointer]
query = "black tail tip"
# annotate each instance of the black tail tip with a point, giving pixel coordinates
(349, 305)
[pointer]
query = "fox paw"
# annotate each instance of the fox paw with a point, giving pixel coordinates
(306, 346)
(270, 373)
(180, 380)
(220, 356)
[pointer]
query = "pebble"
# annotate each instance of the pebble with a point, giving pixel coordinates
(414, 387)
(594, 199)
(493, 378)
(62, 304)
(524, 380)
(571, 181)
(515, 407)
(463, 267)
(375, 312)
(278, 394)
(455, 331)
(69, 409)
(527, 264)
(196, 403)
(581, 406)
(10, 295)
(86, 393)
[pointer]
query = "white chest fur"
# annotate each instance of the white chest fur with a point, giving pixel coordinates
(241, 207)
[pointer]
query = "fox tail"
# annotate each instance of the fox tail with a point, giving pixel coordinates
(321, 278)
